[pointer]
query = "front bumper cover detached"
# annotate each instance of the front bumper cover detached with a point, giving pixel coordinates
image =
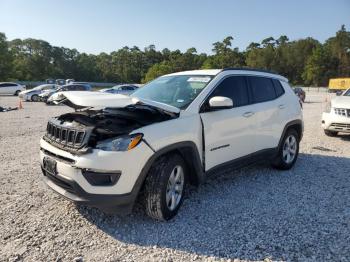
(108, 203)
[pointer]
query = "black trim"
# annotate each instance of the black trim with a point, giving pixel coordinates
(219, 147)
(96, 178)
(122, 203)
(265, 154)
(296, 122)
(189, 152)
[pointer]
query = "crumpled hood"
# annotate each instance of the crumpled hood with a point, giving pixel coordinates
(341, 102)
(100, 100)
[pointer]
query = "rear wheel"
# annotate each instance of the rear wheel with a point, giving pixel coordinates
(330, 133)
(288, 151)
(164, 187)
(35, 98)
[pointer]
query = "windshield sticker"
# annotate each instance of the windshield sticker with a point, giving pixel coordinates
(199, 79)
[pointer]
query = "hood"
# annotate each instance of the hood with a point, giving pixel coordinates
(29, 91)
(341, 102)
(100, 100)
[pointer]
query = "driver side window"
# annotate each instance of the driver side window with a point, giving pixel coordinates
(234, 87)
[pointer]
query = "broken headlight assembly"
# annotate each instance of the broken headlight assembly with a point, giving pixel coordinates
(122, 143)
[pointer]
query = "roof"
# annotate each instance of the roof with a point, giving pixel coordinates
(198, 72)
(249, 71)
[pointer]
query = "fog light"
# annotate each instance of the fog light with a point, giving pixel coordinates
(96, 178)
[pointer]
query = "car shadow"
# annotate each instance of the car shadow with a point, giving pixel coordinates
(345, 137)
(253, 213)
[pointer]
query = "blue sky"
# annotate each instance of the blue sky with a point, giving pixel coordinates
(107, 25)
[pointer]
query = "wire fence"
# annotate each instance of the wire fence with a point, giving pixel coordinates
(315, 89)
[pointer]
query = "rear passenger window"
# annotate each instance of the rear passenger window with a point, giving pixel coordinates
(278, 87)
(233, 87)
(262, 89)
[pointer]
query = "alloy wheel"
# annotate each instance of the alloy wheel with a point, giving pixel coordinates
(289, 149)
(175, 187)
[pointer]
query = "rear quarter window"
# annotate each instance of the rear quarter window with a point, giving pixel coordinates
(278, 87)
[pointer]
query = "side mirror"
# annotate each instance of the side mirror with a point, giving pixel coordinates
(339, 93)
(220, 102)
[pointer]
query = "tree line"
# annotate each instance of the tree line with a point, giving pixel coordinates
(304, 61)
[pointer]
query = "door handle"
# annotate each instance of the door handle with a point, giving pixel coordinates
(248, 114)
(281, 106)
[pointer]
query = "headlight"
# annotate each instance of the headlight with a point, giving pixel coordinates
(328, 108)
(123, 143)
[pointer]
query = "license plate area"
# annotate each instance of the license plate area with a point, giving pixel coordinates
(50, 166)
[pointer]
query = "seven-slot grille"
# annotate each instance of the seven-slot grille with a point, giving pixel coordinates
(341, 126)
(342, 112)
(65, 136)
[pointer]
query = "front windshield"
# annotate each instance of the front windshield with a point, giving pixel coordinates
(177, 90)
(39, 87)
(347, 93)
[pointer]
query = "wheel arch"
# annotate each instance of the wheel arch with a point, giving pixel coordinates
(297, 125)
(190, 154)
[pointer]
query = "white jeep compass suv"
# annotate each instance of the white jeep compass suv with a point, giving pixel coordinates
(171, 132)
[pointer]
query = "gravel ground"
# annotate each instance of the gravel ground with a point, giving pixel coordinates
(251, 214)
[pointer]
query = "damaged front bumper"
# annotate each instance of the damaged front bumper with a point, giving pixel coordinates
(68, 176)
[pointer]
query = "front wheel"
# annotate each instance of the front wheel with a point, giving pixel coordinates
(165, 186)
(35, 98)
(17, 92)
(288, 151)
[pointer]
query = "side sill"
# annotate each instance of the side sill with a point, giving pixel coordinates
(256, 157)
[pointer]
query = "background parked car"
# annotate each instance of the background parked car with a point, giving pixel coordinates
(33, 94)
(60, 82)
(120, 89)
(336, 117)
(71, 87)
(8, 88)
(300, 93)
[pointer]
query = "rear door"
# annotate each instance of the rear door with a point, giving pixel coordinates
(8, 88)
(229, 133)
(2, 88)
(269, 105)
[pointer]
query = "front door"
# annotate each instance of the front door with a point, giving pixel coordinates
(229, 133)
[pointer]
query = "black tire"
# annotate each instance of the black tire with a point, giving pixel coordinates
(35, 98)
(156, 187)
(17, 92)
(280, 161)
(330, 133)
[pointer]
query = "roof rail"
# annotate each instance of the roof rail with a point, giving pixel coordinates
(258, 70)
(250, 69)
